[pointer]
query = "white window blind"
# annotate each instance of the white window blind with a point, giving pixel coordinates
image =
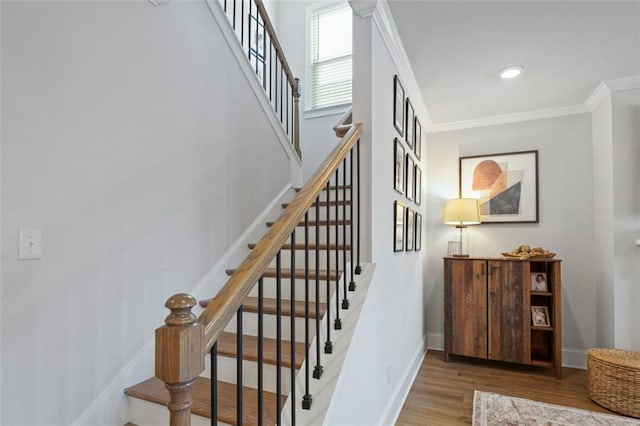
(331, 74)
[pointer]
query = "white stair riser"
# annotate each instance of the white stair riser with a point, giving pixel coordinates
(144, 413)
(285, 260)
(269, 289)
(227, 373)
(250, 326)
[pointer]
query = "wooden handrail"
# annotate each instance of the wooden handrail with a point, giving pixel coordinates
(344, 123)
(276, 44)
(222, 308)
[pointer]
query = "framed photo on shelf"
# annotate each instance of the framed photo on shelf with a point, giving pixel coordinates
(505, 185)
(540, 316)
(417, 134)
(417, 182)
(418, 239)
(398, 228)
(398, 168)
(539, 282)
(409, 135)
(409, 171)
(411, 228)
(398, 105)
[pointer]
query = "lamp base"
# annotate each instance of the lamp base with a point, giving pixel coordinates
(459, 255)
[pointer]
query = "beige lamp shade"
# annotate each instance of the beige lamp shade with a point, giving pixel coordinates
(461, 212)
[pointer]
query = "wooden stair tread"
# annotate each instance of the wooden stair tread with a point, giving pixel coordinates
(269, 307)
(299, 273)
(324, 203)
(227, 347)
(312, 246)
(153, 390)
(332, 222)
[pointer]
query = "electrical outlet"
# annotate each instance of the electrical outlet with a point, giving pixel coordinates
(30, 246)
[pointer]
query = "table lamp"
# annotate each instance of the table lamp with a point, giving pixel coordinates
(461, 212)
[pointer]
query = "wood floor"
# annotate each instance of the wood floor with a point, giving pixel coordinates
(442, 393)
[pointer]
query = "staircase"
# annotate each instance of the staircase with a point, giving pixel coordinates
(251, 355)
(281, 316)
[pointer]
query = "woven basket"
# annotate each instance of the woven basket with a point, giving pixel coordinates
(613, 380)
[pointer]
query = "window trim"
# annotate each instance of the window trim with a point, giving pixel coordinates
(309, 111)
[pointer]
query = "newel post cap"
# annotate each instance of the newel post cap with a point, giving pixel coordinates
(179, 343)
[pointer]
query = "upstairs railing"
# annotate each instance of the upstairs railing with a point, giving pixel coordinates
(251, 23)
(184, 341)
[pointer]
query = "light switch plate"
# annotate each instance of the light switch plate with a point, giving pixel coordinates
(30, 244)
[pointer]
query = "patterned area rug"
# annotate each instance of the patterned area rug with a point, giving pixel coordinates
(494, 409)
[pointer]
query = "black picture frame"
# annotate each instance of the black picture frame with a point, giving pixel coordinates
(398, 105)
(418, 237)
(398, 166)
(505, 185)
(409, 181)
(398, 226)
(417, 134)
(409, 119)
(417, 182)
(411, 229)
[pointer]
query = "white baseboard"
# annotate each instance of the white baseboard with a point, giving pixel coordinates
(392, 411)
(435, 341)
(571, 357)
(575, 358)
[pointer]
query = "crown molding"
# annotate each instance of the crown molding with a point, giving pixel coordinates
(597, 96)
(605, 88)
(158, 2)
(391, 37)
(509, 118)
(625, 83)
(364, 8)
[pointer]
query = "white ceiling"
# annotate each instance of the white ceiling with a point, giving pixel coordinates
(567, 48)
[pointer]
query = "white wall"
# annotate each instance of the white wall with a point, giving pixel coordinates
(141, 158)
(626, 216)
(565, 201)
(603, 217)
(389, 338)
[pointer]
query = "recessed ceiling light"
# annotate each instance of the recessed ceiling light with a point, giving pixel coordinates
(510, 72)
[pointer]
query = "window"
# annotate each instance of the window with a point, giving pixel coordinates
(330, 75)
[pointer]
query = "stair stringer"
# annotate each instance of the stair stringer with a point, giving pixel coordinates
(142, 364)
(323, 390)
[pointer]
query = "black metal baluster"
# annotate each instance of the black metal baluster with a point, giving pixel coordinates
(328, 345)
(270, 70)
(234, 15)
(288, 95)
(213, 359)
(260, 351)
(264, 55)
(338, 322)
(225, 6)
(249, 34)
(352, 283)
(278, 339)
(242, 23)
(306, 399)
(317, 370)
(293, 327)
(281, 84)
(358, 267)
(239, 356)
(345, 301)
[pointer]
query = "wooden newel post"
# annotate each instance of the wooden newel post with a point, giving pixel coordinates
(179, 355)
(297, 91)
